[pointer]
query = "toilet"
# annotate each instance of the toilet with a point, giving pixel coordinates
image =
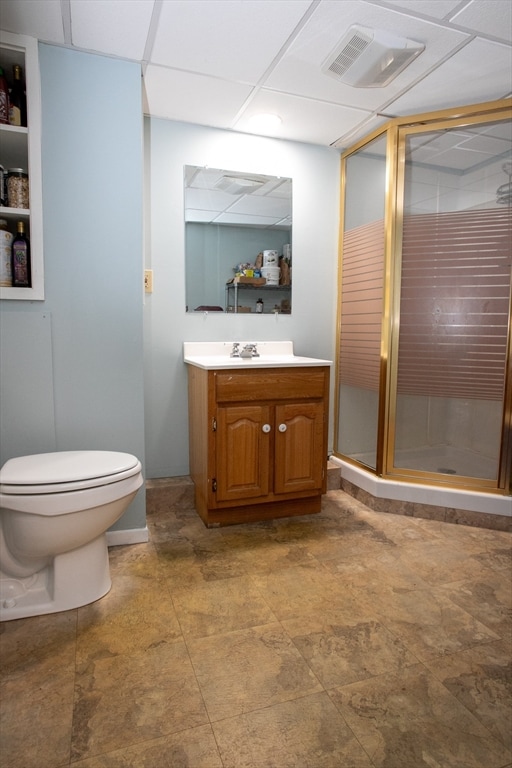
(55, 509)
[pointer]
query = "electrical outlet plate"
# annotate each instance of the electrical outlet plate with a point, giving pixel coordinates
(148, 280)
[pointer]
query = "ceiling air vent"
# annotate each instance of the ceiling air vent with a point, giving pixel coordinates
(239, 185)
(368, 58)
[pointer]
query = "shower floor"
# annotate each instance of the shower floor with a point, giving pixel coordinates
(442, 459)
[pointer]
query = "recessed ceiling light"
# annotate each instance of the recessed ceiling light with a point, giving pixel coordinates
(264, 122)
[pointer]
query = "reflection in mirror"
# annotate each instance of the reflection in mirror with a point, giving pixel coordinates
(238, 235)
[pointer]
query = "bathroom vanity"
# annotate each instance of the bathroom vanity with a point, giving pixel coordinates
(258, 431)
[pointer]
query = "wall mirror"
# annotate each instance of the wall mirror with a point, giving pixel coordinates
(235, 222)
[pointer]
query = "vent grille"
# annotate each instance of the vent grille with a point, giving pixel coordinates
(352, 50)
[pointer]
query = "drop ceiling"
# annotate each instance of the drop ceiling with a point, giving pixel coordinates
(219, 62)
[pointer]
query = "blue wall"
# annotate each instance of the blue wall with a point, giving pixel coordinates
(315, 172)
(90, 324)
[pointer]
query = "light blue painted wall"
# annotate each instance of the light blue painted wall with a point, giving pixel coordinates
(92, 194)
(169, 146)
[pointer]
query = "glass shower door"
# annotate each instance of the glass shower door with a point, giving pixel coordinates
(361, 306)
(455, 289)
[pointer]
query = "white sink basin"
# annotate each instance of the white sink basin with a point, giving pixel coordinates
(215, 355)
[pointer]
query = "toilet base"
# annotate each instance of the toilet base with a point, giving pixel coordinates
(71, 580)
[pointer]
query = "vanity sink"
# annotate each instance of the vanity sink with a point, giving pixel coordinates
(258, 429)
(216, 355)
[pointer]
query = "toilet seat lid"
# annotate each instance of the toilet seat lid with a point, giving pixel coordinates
(65, 468)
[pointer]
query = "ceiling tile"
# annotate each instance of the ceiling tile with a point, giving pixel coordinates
(477, 16)
(111, 26)
(33, 18)
(478, 72)
(487, 144)
(300, 70)
(240, 218)
(208, 199)
(437, 9)
(232, 40)
(214, 102)
(370, 124)
(302, 119)
(272, 207)
(228, 59)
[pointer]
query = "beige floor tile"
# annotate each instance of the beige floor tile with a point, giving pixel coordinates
(167, 524)
(461, 534)
(341, 650)
(304, 733)
(193, 748)
(443, 561)
(488, 599)
(40, 644)
(136, 615)
(267, 550)
(255, 625)
(428, 622)
(249, 669)
(402, 529)
(379, 567)
(36, 690)
(300, 590)
(410, 720)
(481, 679)
(35, 721)
(138, 560)
(220, 606)
(192, 561)
(123, 700)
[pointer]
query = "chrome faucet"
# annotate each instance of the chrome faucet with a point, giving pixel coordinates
(235, 352)
(250, 350)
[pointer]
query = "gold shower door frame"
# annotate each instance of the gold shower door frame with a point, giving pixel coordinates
(397, 132)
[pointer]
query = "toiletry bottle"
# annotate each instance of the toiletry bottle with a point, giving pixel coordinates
(17, 99)
(4, 98)
(6, 238)
(259, 306)
(20, 256)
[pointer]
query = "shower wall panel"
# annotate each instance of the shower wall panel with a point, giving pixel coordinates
(362, 290)
(454, 306)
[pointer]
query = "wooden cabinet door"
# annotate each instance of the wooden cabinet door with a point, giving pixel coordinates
(243, 440)
(299, 447)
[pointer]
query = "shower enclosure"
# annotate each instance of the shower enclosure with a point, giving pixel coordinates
(424, 357)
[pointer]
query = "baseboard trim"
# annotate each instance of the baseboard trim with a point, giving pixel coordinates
(129, 536)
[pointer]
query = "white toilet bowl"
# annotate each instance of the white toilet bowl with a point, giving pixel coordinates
(55, 509)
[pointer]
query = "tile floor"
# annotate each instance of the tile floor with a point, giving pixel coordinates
(349, 639)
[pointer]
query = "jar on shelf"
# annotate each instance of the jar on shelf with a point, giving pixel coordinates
(17, 188)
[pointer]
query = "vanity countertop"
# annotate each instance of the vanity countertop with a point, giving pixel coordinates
(216, 355)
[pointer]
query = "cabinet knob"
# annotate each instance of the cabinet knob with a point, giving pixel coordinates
(266, 428)
(282, 427)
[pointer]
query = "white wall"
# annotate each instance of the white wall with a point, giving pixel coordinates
(311, 326)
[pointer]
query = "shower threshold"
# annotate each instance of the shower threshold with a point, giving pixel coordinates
(441, 459)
